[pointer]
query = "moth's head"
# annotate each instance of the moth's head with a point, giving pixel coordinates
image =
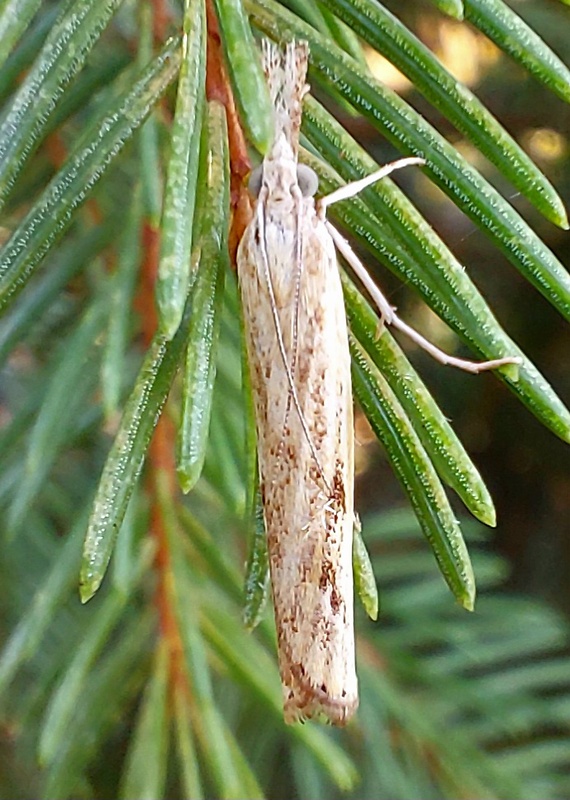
(282, 177)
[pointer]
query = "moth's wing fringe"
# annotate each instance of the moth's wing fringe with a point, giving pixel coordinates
(317, 705)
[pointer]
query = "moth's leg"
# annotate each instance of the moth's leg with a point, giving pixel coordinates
(387, 312)
(354, 188)
(389, 315)
(351, 190)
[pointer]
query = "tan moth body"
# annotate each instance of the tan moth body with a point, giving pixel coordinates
(299, 361)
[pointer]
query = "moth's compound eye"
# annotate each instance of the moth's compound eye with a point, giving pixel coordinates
(255, 180)
(308, 180)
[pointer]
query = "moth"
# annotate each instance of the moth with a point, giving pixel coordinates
(297, 344)
(299, 363)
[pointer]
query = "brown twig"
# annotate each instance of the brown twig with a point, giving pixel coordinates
(218, 88)
(161, 468)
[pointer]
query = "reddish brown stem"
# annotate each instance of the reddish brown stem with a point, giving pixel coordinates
(161, 18)
(160, 463)
(218, 88)
(144, 302)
